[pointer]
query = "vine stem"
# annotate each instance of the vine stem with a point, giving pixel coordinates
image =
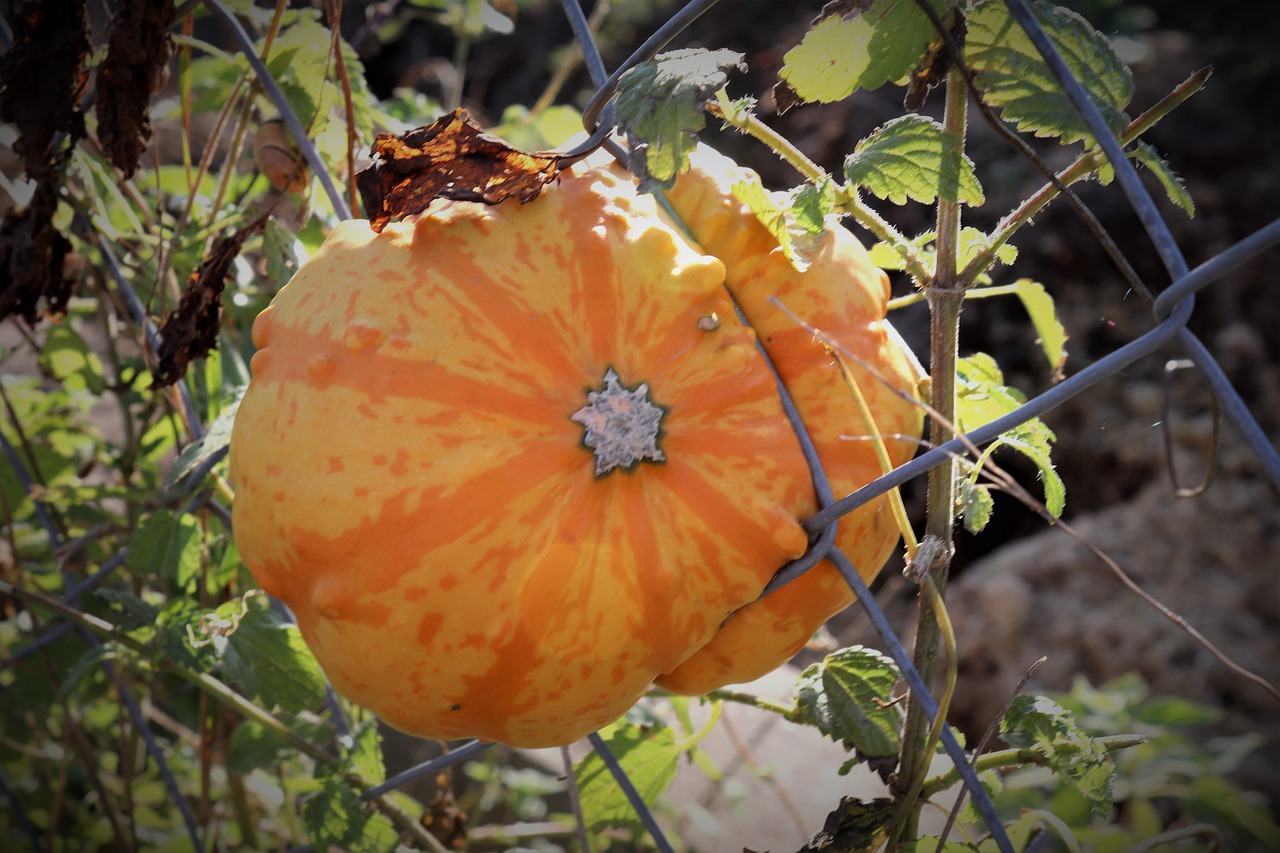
(746, 121)
(1007, 758)
(223, 693)
(945, 294)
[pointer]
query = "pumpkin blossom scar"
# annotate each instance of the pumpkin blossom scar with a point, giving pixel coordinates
(621, 425)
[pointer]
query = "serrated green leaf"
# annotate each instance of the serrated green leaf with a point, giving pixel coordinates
(842, 55)
(365, 753)
(299, 61)
(1014, 78)
(254, 746)
(976, 505)
(169, 545)
(660, 104)
(982, 397)
(128, 612)
(66, 355)
(914, 157)
(795, 219)
(1040, 724)
(267, 660)
(1044, 317)
(1055, 491)
(648, 755)
(91, 659)
(847, 697)
(175, 640)
(335, 817)
(215, 439)
(1173, 186)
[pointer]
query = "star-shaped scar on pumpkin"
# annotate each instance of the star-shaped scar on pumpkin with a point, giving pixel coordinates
(621, 425)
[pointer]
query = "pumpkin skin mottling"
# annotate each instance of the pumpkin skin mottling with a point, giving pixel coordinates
(845, 296)
(409, 480)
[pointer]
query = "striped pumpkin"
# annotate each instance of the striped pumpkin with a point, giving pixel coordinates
(509, 465)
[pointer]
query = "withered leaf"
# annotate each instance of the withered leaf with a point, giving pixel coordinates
(450, 158)
(32, 252)
(136, 58)
(42, 77)
(444, 819)
(191, 330)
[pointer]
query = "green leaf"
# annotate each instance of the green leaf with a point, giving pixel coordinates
(660, 104)
(299, 61)
(982, 397)
(335, 816)
(1173, 711)
(66, 355)
(1040, 724)
(365, 753)
(127, 611)
(169, 545)
(1044, 317)
(91, 659)
(914, 157)
(972, 242)
(267, 660)
(648, 755)
(844, 54)
(254, 746)
(975, 505)
(1013, 77)
(848, 697)
(795, 219)
(1173, 186)
(216, 438)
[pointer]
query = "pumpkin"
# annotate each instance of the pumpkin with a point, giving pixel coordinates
(844, 296)
(509, 465)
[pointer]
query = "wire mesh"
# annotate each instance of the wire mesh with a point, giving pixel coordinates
(1172, 310)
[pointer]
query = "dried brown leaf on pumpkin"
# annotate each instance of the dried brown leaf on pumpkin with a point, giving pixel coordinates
(451, 158)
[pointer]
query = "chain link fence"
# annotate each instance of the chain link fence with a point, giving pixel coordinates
(1172, 309)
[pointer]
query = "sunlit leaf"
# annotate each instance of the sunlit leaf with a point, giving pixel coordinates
(1040, 724)
(267, 660)
(843, 54)
(795, 219)
(1013, 77)
(1044, 317)
(914, 157)
(648, 755)
(660, 104)
(848, 697)
(1173, 186)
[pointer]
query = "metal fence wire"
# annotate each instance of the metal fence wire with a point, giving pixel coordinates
(1172, 310)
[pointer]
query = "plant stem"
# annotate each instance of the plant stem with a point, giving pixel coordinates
(1004, 758)
(945, 293)
(745, 121)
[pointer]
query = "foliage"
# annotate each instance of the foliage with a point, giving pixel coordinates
(151, 699)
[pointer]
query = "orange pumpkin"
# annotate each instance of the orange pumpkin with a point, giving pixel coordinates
(508, 465)
(843, 295)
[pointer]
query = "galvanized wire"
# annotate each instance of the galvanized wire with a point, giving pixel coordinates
(1173, 309)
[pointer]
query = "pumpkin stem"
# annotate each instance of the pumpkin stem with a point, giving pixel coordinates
(622, 425)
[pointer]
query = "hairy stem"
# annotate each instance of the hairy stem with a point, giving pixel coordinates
(945, 294)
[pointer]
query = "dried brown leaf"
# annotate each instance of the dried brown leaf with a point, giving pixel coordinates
(42, 77)
(191, 330)
(452, 158)
(32, 254)
(137, 57)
